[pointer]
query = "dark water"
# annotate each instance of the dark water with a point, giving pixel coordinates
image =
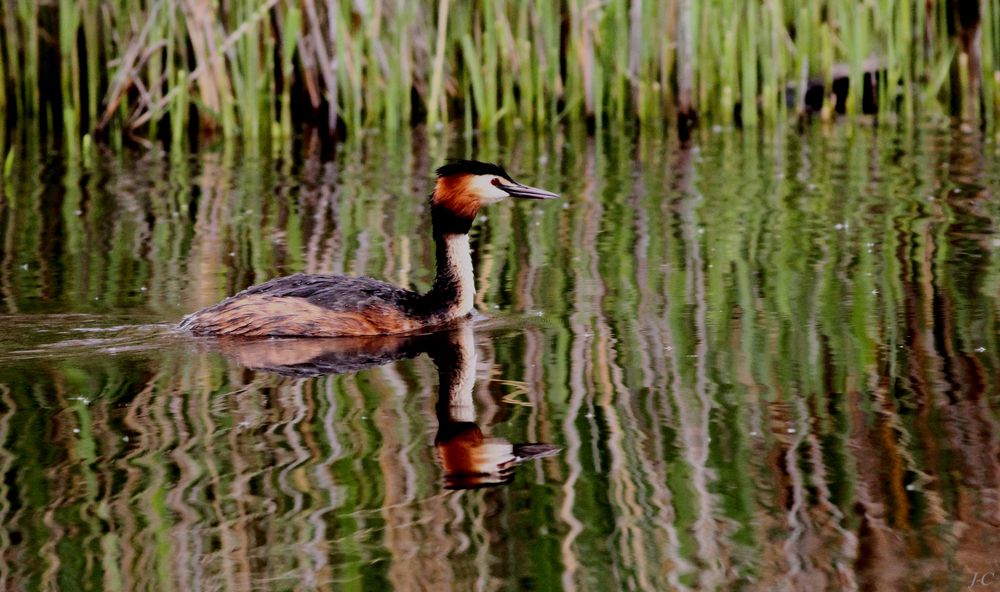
(769, 361)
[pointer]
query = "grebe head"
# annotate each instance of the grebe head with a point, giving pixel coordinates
(464, 186)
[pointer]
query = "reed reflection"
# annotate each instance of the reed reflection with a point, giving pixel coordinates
(469, 457)
(770, 359)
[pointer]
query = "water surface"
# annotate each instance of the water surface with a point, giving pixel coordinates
(769, 361)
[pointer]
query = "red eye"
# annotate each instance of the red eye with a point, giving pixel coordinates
(496, 182)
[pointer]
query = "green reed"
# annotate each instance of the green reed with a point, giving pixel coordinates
(240, 68)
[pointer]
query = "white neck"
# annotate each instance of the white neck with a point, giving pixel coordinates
(458, 259)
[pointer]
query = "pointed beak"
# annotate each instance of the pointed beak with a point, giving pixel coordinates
(524, 191)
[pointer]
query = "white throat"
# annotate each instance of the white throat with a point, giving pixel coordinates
(459, 256)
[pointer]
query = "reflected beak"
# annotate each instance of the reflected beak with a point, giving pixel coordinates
(526, 192)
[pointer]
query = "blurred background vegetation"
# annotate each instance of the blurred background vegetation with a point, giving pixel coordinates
(260, 69)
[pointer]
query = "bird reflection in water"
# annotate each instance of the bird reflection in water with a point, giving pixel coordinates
(469, 457)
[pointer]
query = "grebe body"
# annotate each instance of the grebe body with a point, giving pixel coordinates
(338, 306)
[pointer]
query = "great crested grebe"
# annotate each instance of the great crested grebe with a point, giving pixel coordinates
(336, 306)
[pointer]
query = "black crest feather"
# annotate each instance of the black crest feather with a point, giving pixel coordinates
(471, 167)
